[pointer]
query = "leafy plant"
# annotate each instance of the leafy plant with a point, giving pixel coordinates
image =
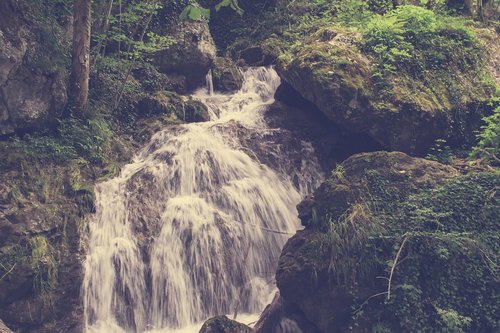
(195, 12)
(488, 146)
(440, 152)
(44, 264)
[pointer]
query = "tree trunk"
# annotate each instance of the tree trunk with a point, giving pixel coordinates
(80, 58)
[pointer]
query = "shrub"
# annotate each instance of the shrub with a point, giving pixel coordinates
(488, 146)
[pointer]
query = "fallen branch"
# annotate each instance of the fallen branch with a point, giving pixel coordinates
(394, 266)
(8, 272)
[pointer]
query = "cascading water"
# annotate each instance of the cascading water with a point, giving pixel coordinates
(195, 225)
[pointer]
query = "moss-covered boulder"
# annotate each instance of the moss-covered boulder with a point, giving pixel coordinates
(223, 324)
(397, 244)
(404, 101)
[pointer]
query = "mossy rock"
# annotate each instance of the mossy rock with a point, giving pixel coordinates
(227, 76)
(193, 111)
(383, 217)
(331, 69)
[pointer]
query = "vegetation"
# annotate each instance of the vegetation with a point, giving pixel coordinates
(437, 250)
(488, 146)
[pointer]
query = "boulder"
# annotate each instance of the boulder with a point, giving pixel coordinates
(227, 76)
(192, 55)
(3, 328)
(185, 109)
(282, 316)
(257, 55)
(386, 217)
(331, 71)
(223, 324)
(156, 104)
(193, 111)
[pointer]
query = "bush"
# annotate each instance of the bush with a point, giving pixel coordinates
(488, 146)
(413, 40)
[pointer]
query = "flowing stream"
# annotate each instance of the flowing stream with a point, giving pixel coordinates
(194, 226)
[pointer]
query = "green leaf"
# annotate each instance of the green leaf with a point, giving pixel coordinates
(194, 13)
(233, 4)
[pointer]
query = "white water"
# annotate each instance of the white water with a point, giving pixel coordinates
(194, 226)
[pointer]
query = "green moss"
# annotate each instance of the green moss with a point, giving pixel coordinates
(10, 257)
(448, 242)
(44, 264)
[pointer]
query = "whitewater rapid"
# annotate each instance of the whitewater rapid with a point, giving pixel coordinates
(194, 226)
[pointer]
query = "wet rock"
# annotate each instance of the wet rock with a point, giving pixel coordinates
(257, 56)
(192, 55)
(194, 111)
(356, 223)
(156, 104)
(223, 324)
(305, 122)
(227, 76)
(280, 316)
(182, 108)
(3, 328)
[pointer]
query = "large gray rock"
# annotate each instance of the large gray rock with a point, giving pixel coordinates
(226, 75)
(192, 55)
(28, 96)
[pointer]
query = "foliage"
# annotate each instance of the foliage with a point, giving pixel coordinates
(440, 152)
(44, 264)
(453, 322)
(350, 234)
(51, 52)
(488, 146)
(10, 257)
(448, 241)
(74, 138)
(195, 12)
(129, 30)
(89, 137)
(412, 39)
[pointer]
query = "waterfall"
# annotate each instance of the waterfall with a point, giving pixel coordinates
(194, 226)
(210, 83)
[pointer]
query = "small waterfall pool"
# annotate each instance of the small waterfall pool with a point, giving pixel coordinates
(194, 226)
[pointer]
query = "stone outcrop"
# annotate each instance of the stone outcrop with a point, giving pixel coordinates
(182, 108)
(192, 55)
(227, 76)
(331, 71)
(40, 263)
(374, 206)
